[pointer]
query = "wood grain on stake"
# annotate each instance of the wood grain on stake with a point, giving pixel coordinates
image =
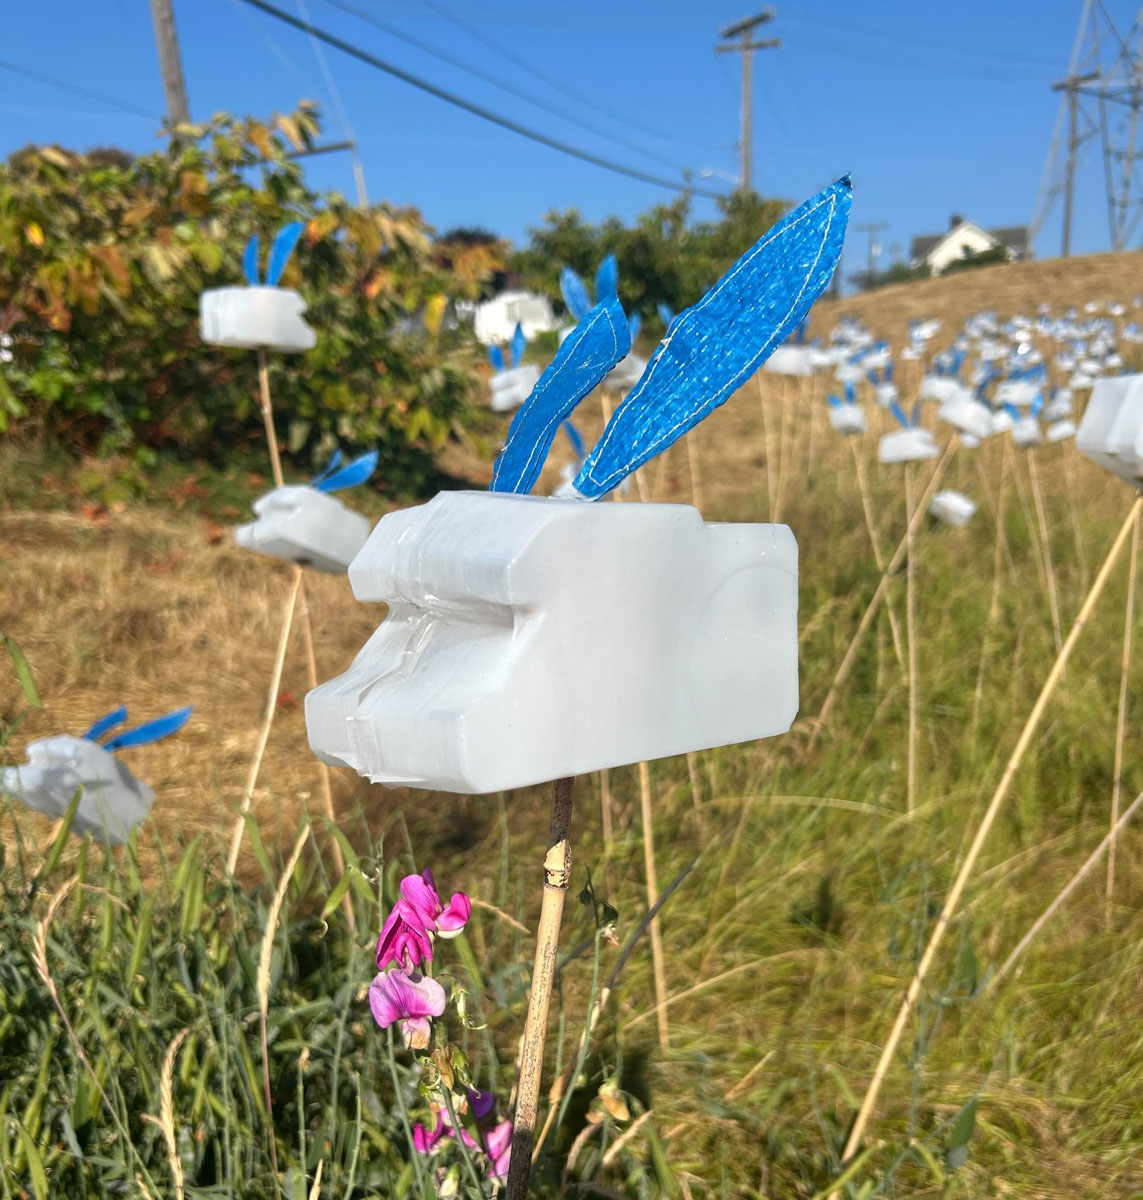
(952, 899)
(1124, 672)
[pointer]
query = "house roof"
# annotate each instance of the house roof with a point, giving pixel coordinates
(1015, 237)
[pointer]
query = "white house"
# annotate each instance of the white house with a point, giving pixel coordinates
(495, 320)
(965, 238)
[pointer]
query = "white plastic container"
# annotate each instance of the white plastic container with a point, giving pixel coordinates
(113, 801)
(846, 418)
(1111, 432)
(1026, 432)
(942, 388)
(530, 639)
(885, 394)
(512, 387)
(1002, 421)
(1060, 431)
(258, 317)
(625, 374)
(300, 524)
(967, 415)
(954, 508)
(1059, 407)
(1019, 392)
(907, 445)
(789, 360)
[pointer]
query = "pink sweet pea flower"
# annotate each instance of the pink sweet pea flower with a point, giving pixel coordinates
(410, 998)
(424, 1139)
(407, 936)
(498, 1147)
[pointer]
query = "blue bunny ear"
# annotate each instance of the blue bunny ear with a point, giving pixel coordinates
(834, 401)
(151, 731)
(850, 392)
(578, 448)
(889, 372)
(916, 417)
(606, 279)
(496, 357)
(357, 472)
(1036, 405)
(107, 723)
(592, 348)
(1013, 412)
(634, 325)
(331, 466)
(902, 420)
(250, 262)
(519, 342)
(800, 332)
(281, 250)
(714, 347)
(574, 294)
(665, 314)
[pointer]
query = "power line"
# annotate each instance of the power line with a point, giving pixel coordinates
(485, 114)
(460, 64)
(77, 90)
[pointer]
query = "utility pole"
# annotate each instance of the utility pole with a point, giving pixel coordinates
(1071, 85)
(170, 64)
(871, 228)
(746, 47)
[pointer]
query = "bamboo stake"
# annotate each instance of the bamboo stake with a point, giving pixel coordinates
(1107, 843)
(1124, 670)
(994, 601)
(952, 899)
(695, 472)
(557, 872)
(911, 635)
(785, 452)
(267, 722)
(1068, 450)
(875, 542)
(1049, 569)
(878, 596)
(652, 897)
(771, 462)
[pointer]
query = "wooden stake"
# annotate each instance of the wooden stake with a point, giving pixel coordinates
(1124, 670)
(267, 721)
(652, 897)
(1049, 569)
(695, 471)
(557, 872)
(952, 899)
(878, 596)
(875, 542)
(771, 458)
(911, 635)
(994, 602)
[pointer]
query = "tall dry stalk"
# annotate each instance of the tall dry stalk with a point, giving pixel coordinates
(1120, 721)
(911, 635)
(1045, 542)
(994, 599)
(875, 542)
(557, 872)
(652, 898)
(771, 456)
(952, 898)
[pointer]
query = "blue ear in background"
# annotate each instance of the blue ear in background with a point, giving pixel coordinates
(665, 314)
(902, 420)
(916, 418)
(1036, 405)
(151, 731)
(850, 392)
(1012, 411)
(834, 401)
(107, 723)
(281, 250)
(578, 448)
(607, 279)
(592, 348)
(250, 262)
(634, 325)
(496, 357)
(519, 342)
(331, 466)
(800, 332)
(574, 294)
(714, 347)
(349, 476)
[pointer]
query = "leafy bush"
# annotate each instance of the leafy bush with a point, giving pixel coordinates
(102, 260)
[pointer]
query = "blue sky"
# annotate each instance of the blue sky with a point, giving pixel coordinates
(930, 114)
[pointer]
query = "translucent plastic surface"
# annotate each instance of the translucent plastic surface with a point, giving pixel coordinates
(846, 418)
(512, 387)
(1111, 432)
(625, 374)
(302, 525)
(790, 360)
(529, 639)
(253, 317)
(967, 415)
(906, 445)
(953, 508)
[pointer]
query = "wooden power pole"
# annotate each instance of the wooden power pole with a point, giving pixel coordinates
(746, 47)
(170, 64)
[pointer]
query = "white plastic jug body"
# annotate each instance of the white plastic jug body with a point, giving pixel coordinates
(954, 508)
(301, 525)
(255, 317)
(512, 387)
(906, 445)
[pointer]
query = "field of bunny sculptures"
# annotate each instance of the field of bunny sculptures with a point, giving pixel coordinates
(726, 786)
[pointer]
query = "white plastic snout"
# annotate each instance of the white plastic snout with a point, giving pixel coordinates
(791, 360)
(907, 445)
(967, 415)
(953, 508)
(302, 525)
(846, 418)
(942, 388)
(1026, 432)
(255, 317)
(112, 800)
(512, 387)
(626, 373)
(1111, 432)
(530, 639)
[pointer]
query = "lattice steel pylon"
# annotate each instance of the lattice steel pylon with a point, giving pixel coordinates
(1101, 96)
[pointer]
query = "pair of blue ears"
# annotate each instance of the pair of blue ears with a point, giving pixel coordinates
(904, 421)
(850, 396)
(949, 364)
(280, 252)
(1033, 408)
(141, 735)
(333, 479)
(710, 350)
(885, 376)
(606, 286)
(518, 344)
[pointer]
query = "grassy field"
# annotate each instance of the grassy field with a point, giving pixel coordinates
(789, 943)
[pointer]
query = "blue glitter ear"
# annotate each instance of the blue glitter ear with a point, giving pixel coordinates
(519, 344)
(496, 357)
(607, 279)
(349, 476)
(281, 250)
(714, 347)
(250, 262)
(331, 466)
(107, 723)
(151, 731)
(574, 294)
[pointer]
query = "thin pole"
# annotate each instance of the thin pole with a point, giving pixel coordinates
(878, 596)
(771, 464)
(1050, 571)
(1124, 671)
(875, 542)
(994, 602)
(911, 635)
(170, 63)
(557, 872)
(652, 898)
(952, 899)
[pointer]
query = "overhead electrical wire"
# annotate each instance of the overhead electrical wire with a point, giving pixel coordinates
(77, 90)
(477, 110)
(486, 77)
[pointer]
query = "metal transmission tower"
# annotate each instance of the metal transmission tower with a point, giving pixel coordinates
(746, 47)
(1102, 94)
